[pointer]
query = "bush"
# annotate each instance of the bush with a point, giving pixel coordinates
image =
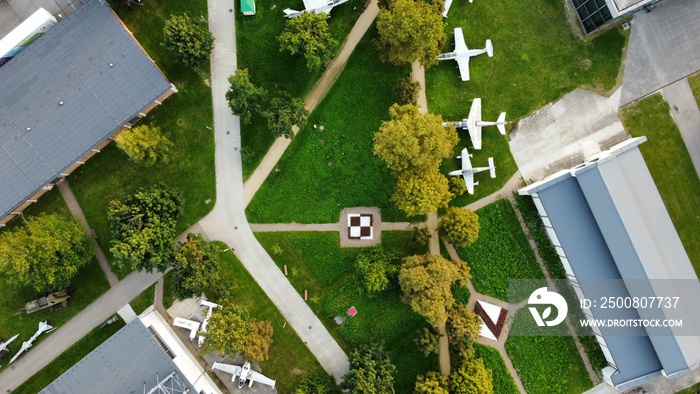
(459, 226)
(145, 144)
(407, 91)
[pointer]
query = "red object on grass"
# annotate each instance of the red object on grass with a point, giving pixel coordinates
(352, 311)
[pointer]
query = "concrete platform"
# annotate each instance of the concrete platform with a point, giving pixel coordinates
(560, 135)
(14, 12)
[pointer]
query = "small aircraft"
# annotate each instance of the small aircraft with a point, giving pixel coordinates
(3, 345)
(195, 326)
(245, 374)
(467, 171)
(43, 327)
(462, 54)
(317, 6)
(448, 3)
(474, 123)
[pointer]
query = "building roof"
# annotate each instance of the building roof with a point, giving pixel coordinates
(610, 221)
(122, 364)
(91, 63)
(247, 5)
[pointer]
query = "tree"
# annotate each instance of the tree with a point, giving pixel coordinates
(371, 371)
(189, 38)
(143, 228)
(410, 30)
(308, 35)
(418, 194)
(431, 383)
(414, 141)
(407, 91)
(316, 383)
(285, 112)
(376, 266)
(244, 98)
(145, 144)
(45, 253)
(459, 226)
(463, 326)
(457, 186)
(428, 342)
(426, 282)
(420, 235)
(196, 267)
(472, 377)
(231, 330)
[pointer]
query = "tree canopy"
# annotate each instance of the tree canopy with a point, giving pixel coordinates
(45, 253)
(376, 266)
(316, 383)
(231, 330)
(459, 226)
(471, 377)
(410, 30)
(285, 112)
(145, 144)
(371, 371)
(308, 34)
(414, 141)
(407, 91)
(244, 98)
(143, 228)
(431, 383)
(426, 282)
(196, 267)
(418, 194)
(189, 38)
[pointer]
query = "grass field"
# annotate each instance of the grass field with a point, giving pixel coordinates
(694, 389)
(68, 358)
(323, 172)
(503, 383)
(317, 263)
(547, 364)
(670, 166)
(143, 300)
(502, 251)
(694, 81)
(258, 50)
(184, 118)
(289, 357)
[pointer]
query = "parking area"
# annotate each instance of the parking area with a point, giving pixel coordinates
(663, 48)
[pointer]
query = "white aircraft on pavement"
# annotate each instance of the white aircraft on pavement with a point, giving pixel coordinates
(462, 54)
(43, 327)
(245, 374)
(317, 6)
(195, 326)
(467, 171)
(474, 123)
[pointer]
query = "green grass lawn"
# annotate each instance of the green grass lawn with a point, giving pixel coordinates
(323, 172)
(68, 358)
(316, 263)
(503, 383)
(289, 357)
(694, 81)
(670, 166)
(258, 50)
(502, 251)
(184, 118)
(547, 364)
(694, 389)
(143, 300)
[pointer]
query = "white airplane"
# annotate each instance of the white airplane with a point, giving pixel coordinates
(467, 171)
(448, 3)
(462, 54)
(43, 327)
(317, 6)
(245, 374)
(195, 326)
(3, 346)
(474, 123)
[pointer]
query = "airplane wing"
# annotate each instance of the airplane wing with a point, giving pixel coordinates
(234, 370)
(469, 180)
(193, 326)
(260, 378)
(463, 64)
(460, 46)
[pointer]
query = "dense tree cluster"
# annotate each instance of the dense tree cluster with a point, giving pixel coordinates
(459, 226)
(308, 34)
(244, 98)
(371, 371)
(45, 253)
(195, 267)
(189, 38)
(145, 144)
(376, 267)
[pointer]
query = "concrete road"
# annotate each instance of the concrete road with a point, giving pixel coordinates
(80, 325)
(686, 113)
(227, 221)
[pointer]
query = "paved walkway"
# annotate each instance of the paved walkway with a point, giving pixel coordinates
(75, 209)
(76, 328)
(274, 154)
(686, 113)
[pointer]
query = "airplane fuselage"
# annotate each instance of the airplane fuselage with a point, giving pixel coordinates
(244, 375)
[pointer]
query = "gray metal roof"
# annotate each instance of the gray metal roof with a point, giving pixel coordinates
(39, 138)
(120, 365)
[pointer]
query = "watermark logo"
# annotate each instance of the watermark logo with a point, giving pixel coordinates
(543, 297)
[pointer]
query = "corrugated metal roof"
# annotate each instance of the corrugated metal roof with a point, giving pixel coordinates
(120, 365)
(71, 63)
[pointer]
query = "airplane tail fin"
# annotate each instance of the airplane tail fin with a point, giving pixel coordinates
(492, 167)
(489, 48)
(501, 123)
